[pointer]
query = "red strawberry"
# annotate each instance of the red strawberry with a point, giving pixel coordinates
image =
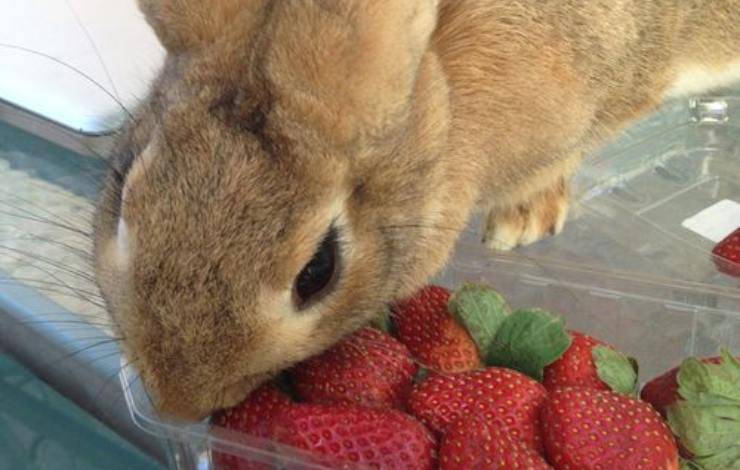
(350, 434)
(705, 417)
(576, 368)
(593, 429)
(502, 397)
(727, 254)
(471, 443)
(253, 414)
(433, 336)
(368, 368)
(251, 417)
(662, 391)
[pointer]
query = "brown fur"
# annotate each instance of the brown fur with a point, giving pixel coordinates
(396, 118)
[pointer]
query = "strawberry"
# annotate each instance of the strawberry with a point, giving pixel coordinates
(424, 324)
(576, 368)
(662, 391)
(355, 435)
(472, 443)
(591, 363)
(706, 417)
(727, 254)
(503, 397)
(586, 428)
(368, 368)
(253, 414)
(251, 417)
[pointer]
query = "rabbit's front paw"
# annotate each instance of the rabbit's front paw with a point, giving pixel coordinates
(523, 224)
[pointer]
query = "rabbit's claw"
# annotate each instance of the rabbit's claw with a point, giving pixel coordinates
(544, 214)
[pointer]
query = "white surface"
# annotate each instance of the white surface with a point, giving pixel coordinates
(108, 40)
(715, 222)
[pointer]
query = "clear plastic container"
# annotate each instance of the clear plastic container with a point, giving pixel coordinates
(652, 321)
(633, 197)
(625, 269)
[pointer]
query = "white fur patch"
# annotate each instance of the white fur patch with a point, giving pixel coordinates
(503, 236)
(533, 231)
(288, 327)
(277, 304)
(119, 250)
(700, 78)
(138, 170)
(339, 214)
(563, 207)
(123, 245)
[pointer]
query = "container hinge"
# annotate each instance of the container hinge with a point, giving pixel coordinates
(708, 110)
(605, 293)
(535, 280)
(680, 307)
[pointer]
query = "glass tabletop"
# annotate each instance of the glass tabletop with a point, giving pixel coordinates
(42, 429)
(52, 318)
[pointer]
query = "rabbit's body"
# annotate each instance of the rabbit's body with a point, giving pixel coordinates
(355, 138)
(535, 85)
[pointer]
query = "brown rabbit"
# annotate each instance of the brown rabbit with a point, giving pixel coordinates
(301, 163)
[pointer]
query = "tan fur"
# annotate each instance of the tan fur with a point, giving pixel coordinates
(395, 119)
(526, 222)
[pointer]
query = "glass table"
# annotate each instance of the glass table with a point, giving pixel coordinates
(46, 201)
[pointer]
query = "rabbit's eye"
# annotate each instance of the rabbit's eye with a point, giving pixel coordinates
(316, 278)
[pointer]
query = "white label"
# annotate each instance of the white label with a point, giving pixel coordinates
(715, 222)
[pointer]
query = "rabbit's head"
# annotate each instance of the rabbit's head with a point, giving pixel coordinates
(285, 180)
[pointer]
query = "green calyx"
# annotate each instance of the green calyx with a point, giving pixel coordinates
(616, 370)
(706, 419)
(528, 340)
(689, 465)
(421, 375)
(480, 310)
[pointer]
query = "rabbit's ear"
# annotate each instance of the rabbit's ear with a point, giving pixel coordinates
(360, 56)
(188, 24)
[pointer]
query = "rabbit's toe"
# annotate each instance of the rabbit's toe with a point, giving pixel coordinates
(529, 222)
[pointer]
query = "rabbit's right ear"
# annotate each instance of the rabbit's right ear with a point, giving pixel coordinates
(361, 56)
(188, 24)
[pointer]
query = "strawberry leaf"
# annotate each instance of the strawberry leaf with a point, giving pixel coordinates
(727, 459)
(421, 375)
(481, 310)
(707, 419)
(697, 379)
(528, 340)
(616, 370)
(689, 465)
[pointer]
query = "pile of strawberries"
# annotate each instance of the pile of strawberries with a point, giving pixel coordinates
(462, 382)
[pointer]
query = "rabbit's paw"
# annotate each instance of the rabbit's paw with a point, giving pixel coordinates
(542, 215)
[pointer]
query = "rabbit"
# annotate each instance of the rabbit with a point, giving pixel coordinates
(300, 165)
